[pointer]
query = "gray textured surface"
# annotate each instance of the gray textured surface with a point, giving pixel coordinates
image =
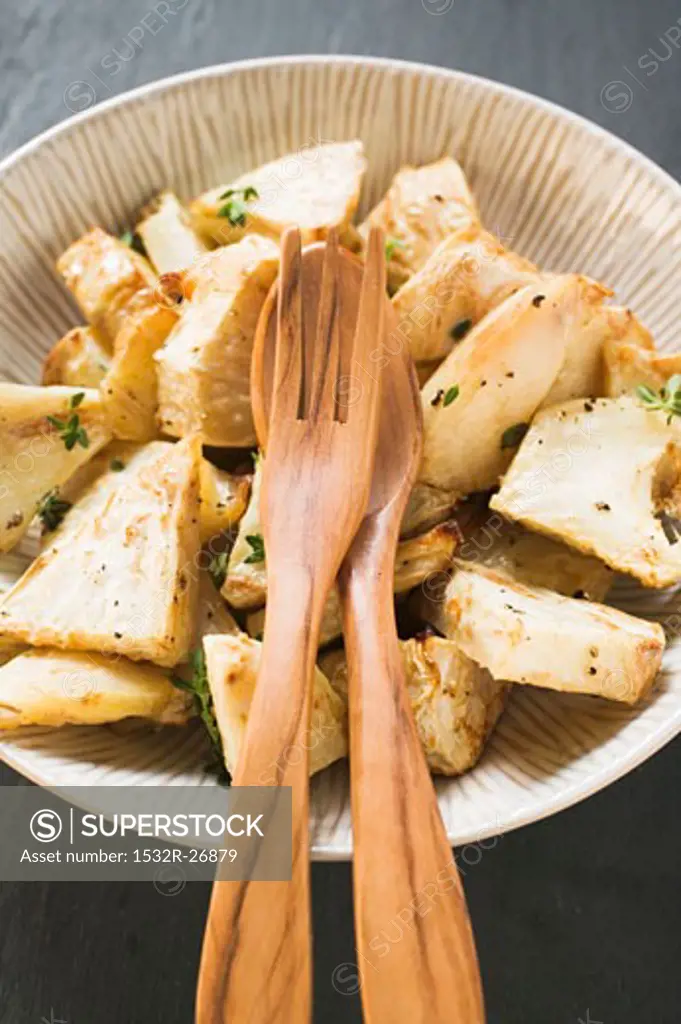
(577, 918)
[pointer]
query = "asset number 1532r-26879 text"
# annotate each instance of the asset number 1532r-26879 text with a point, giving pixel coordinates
(193, 856)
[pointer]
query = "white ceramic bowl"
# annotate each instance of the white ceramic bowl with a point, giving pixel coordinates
(557, 189)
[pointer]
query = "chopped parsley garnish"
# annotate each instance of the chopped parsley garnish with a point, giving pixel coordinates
(257, 548)
(203, 701)
(667, 399)
(460, 329)
(512, 436)
(52, 510)
(390, 245)
(71, 431)
(235, 209)
(450, 395)
(117, 465)
(218, 569)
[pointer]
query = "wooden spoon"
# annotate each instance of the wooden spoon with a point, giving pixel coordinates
(405, 877)
(255, 966)
(416, 949)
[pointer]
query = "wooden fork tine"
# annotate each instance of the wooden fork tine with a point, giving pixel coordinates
(327, 337)
(368, 344)
(287, 389)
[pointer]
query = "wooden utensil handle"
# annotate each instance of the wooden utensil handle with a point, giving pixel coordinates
(256, 959)
(417, 956)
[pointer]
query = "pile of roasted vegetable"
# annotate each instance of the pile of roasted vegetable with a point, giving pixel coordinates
(551, 461)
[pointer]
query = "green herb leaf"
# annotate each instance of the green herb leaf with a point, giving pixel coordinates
(668, 399)
(70, 431)
(450, 395)
(235, 208)
(77, 399)
(117, 465)
(390, 245)
(218, 569)
(460, 329)
(647, 394)
(512, 436)
(258, 548)
(198, 686)
(52, 510)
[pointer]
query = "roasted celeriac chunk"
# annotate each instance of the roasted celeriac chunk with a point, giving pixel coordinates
(245, 583)
(224, 269)
(110, 462)
(627, 366)
(79, 359)
(467, 275)
(130, 388)
(224, 496)
(478, 402)
(427, 506)
(531, 635)
(535, 560)
(46, 434)
(315, 189)
(602, 476)
(232, 663)
(421, 208)
(581, 375)
(212, 615)
(224, 499)
(204, 367)
(168, 235)
(455, 703)
(9, 651)
(119, 574)
(104, 273)
(520, 556)
(55, 688)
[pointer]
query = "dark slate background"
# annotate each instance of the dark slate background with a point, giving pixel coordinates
(577, 918)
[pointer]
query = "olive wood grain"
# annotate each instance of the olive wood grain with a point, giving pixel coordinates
(255, 966)
(416, 950)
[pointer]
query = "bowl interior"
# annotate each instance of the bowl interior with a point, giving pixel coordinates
(553, 187)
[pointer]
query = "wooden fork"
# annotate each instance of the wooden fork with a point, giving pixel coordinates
(255, 966)
(416, 951)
